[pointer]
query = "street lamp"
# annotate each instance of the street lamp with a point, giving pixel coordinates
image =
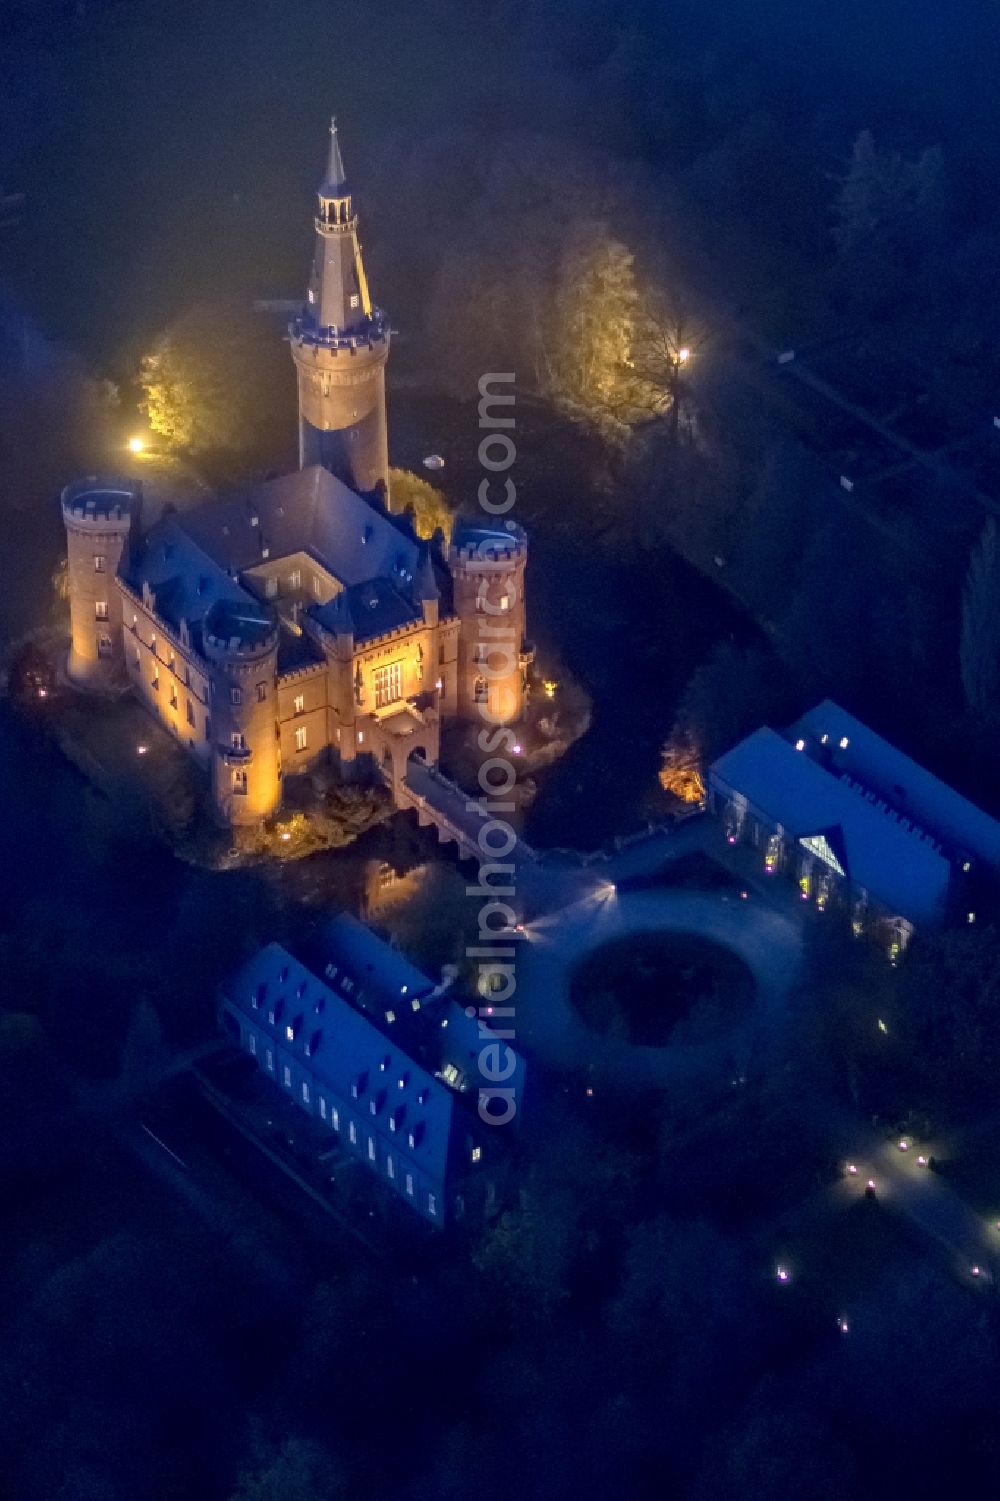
(136, 445)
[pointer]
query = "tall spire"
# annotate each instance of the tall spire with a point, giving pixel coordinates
(335, 181)
(340, 343)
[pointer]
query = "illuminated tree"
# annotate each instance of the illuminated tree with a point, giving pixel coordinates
(596, 309)
(212, 382)
(431, 510)
(668, 337)
(681, 771)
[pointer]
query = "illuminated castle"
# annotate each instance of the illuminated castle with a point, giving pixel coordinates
(301, 620)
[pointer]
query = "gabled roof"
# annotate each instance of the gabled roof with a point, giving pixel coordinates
(309, 511)
(902, 871)
(911, 789)
(185, 580)
(343, 1050)
(368, 610)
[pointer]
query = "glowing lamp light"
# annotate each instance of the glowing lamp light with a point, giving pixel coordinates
(590, 1092)
(903, 1144)
(783, 1274)
(286, 836)
(871, 1184)
(744, 895)
(141, 750)
(136, 445)
(683, 355)
(922, 1160)
(976, 1270)
(550, 686)
(516, 748)
(852, 1168)
(43, 693)
(843, 1325)
(731, 838)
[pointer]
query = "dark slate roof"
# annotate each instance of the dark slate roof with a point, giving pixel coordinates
(306, 511)
(900, 782)
(432, 1025)
(905, 873)
(185, 580)
(374, 966)
(335, 181)
(296, 649)
(341, 1047)
(368, 610)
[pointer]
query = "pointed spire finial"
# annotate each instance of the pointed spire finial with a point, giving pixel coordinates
(335, 180)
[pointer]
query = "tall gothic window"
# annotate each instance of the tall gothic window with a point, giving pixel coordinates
(388, 684)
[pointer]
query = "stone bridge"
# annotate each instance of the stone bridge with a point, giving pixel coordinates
(455, 815)
(404, 741)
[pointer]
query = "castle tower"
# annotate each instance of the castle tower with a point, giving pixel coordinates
(241, 645)
(99, 516)
(487, 566)
(340, 343)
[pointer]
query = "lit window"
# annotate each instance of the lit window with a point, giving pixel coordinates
(239, 740)
(800, 745)
(98, 563)
(299, 704)
(322, 1108)
(371, 1149)
(353, 1134)
(269, 1060)
(286, 1075)
(335, 1118)
(100, 609)
(253, 1044)
(390, 1168)
(844, 742)
(295, 579)
(431, 1204)
(317, 586)
(390, 1016)
(388, 684)
(305, 1093)
(301, 738)
(477, 1153)
(235, 695)
(261, 692)
(240, 783)
(409, 1184)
